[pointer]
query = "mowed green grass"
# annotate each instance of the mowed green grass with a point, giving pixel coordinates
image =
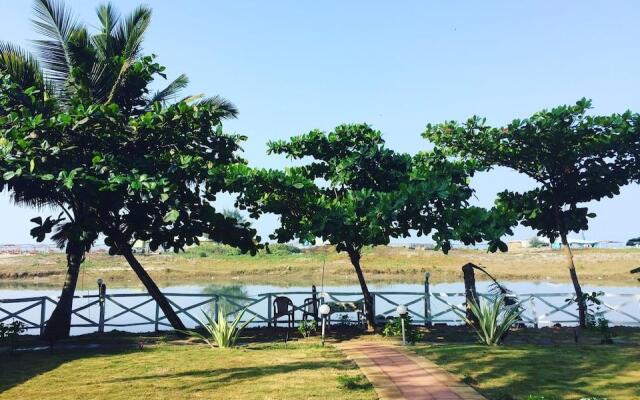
(169, 371)
(553, 371)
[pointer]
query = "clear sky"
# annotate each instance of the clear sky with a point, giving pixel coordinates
(291, 66)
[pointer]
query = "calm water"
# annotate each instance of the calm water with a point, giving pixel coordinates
(443, 295)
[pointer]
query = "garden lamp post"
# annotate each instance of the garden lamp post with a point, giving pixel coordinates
(402, 311)
(324, 311)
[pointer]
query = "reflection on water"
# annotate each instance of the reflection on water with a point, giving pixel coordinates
(232, 297)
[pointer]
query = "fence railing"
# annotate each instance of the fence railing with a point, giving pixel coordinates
(138, 311)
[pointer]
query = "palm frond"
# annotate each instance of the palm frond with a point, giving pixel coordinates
(103, 40)
(81, 51)
(130, 32)
(226, 108)
(127, 42)
(22, 66)
(34, 193)
(171, 91)
(101, 81)
(108, 17)
(62, 234)
(55, 21)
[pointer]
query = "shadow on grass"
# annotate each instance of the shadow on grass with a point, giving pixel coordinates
(280, 334)
(213, 378)
(565, 371)
(34, 357)
(19, 367)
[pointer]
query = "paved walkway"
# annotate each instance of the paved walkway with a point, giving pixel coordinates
(396, 373)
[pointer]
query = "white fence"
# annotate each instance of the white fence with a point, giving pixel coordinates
(138, 311)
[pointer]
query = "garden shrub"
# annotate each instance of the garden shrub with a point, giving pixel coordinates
(307, 327)
(357, 382)
(393, 328)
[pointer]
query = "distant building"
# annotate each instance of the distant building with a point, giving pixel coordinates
(414, 246)
(519, 244)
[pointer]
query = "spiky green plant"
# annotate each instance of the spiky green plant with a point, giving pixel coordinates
(222, 333)
(494, 319)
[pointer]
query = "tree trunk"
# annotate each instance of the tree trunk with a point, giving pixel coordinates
(582, 307)
(59, 324)
(562, 229)
(470, 292)
(152, 288)
(354, 256)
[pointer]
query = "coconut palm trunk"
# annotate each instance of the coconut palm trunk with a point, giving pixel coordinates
(59, 324)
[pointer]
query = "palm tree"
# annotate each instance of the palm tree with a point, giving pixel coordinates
(75, 66)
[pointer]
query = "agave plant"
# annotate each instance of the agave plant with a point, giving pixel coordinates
(223, 333)
(494, 319)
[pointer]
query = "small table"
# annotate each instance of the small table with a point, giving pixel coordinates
(348, 306)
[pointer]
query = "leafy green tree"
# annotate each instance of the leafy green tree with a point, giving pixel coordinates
(536, 243)
(355, 192)
(234, 214)
(575, 158)
(633, 242)
(81, 132)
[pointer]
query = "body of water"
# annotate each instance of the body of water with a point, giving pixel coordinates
(548, 306)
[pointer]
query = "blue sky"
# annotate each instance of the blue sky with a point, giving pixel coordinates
(291, 66)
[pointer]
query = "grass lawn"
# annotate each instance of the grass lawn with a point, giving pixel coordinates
(554, 371)
(533, 362)
(173, 371)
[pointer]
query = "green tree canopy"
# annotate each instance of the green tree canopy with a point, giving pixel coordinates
(573, 157)
(85, 135)
(355, 192)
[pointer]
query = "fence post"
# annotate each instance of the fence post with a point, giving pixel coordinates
(373, 306)
(216, 308)
(269, 310)
(534, 313)
(102, 292)
(43, 312)
(157, 319)
(427, 301)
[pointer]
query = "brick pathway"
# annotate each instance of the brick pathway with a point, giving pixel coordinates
(396, 373)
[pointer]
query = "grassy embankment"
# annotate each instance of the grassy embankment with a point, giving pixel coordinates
(381, 264)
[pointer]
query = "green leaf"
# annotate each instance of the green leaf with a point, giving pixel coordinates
(502, 246)
(171, 216)
(8, 175)
(32, 165)
(81, 122)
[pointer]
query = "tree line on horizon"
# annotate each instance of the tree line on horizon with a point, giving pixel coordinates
(82, 132)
